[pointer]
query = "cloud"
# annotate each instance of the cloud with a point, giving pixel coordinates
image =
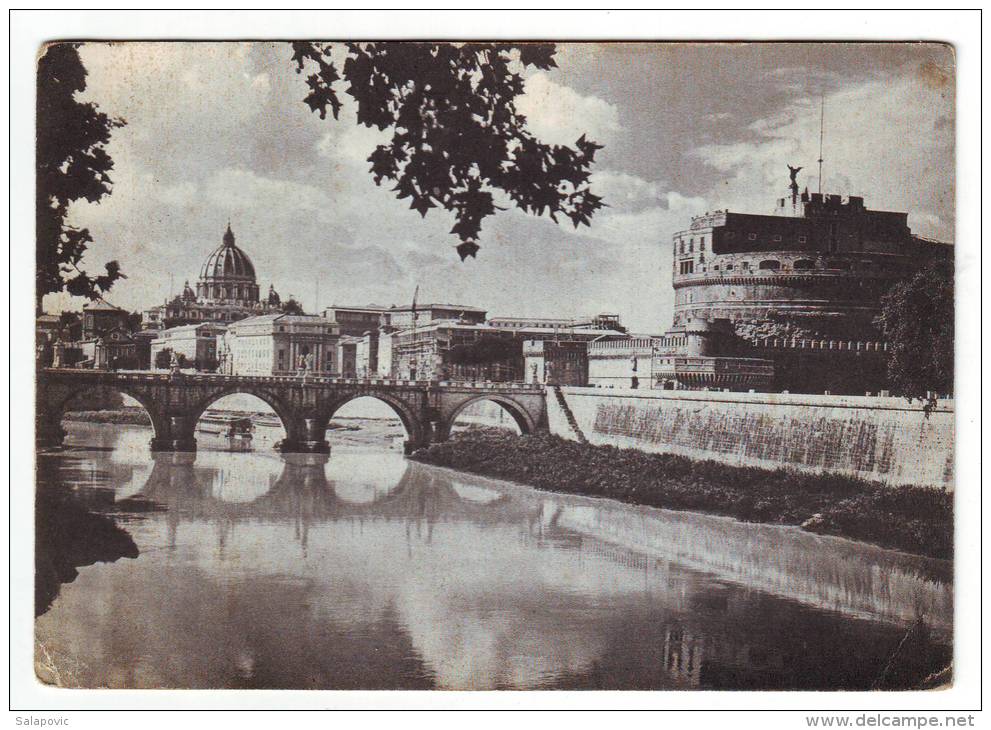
(217, 130)
(242, 191)
(623, 189)
(559, 115)
(889, 141)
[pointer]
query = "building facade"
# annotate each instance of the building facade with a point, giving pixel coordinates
(112, 349)
(226, 291)
(559, 324)
(199, 344)
(455, 350)
(280, 344)
(558, 362)
(621, 363)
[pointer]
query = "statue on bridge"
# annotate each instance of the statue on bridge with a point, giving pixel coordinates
(174, 367)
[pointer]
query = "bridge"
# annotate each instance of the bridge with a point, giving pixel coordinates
(305, 405)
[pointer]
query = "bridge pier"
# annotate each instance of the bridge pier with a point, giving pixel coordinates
(307, 436)
(176, 435)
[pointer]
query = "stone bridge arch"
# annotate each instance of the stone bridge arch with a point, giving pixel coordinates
(53, 400)
(417, 429)
(291, 422)
(523, 412)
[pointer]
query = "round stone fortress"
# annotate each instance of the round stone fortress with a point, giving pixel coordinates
(820, 274)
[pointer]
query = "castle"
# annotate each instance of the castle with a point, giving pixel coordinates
(787, 301)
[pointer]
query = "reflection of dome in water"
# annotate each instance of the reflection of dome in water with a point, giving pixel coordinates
(237, 479)
(360, 478)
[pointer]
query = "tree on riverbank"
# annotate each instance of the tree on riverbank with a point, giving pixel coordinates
(458, 138)
(72, 164)
(163, 359)
(917, 321)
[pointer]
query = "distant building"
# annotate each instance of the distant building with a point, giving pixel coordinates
(199, 343)
(113, 349)
(280, 344)
(357, 320)
(621, 363)
(405, 316)
(561, 324)
(365, 349)
(142, 347)
(100, 317)
(226, 291)
(454, 350)
(556, 362)
(347, 356)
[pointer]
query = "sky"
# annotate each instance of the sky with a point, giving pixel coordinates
(219, 131)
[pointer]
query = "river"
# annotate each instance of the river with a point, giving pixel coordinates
(365, 570)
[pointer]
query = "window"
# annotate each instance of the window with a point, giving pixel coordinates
(769, 264)
(729, 267)
(745, 266)
(776, 238)
(751, 236)
(691, 245)
(802, 239)
(803, 264)
(702, 244)
(687, 267)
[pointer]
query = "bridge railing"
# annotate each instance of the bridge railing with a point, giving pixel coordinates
(198, 377)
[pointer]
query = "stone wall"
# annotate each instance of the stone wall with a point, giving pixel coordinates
(882, 439)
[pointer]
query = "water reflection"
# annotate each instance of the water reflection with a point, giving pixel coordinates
(368, 571)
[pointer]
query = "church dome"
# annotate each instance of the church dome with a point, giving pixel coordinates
(228, 263)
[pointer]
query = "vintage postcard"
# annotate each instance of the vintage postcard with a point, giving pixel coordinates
(494, 365)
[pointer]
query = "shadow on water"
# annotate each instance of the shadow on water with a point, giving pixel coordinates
(70, 534)
(369, 571)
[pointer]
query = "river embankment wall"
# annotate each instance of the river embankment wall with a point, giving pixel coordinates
(887, 440)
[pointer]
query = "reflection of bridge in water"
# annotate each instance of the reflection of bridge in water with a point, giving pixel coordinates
(303, 492)
(175, 402)
(823, 572)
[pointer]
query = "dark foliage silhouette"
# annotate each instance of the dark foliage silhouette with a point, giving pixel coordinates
(917, 321)
(72, 164)
(458, 140)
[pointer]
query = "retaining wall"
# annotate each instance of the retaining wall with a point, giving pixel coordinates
(882, 439)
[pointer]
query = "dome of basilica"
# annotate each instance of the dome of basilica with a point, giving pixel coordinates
(228, 275)
(228, 262)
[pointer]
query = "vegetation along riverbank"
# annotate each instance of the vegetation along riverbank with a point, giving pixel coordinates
(913, 519)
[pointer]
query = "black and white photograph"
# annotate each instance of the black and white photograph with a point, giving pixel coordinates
(494, 364)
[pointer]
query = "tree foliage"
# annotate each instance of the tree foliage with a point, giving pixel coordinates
(163, 359)
(917, 321)
(72, 164)
(291, 306)
(457, 137)
(485, 350)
